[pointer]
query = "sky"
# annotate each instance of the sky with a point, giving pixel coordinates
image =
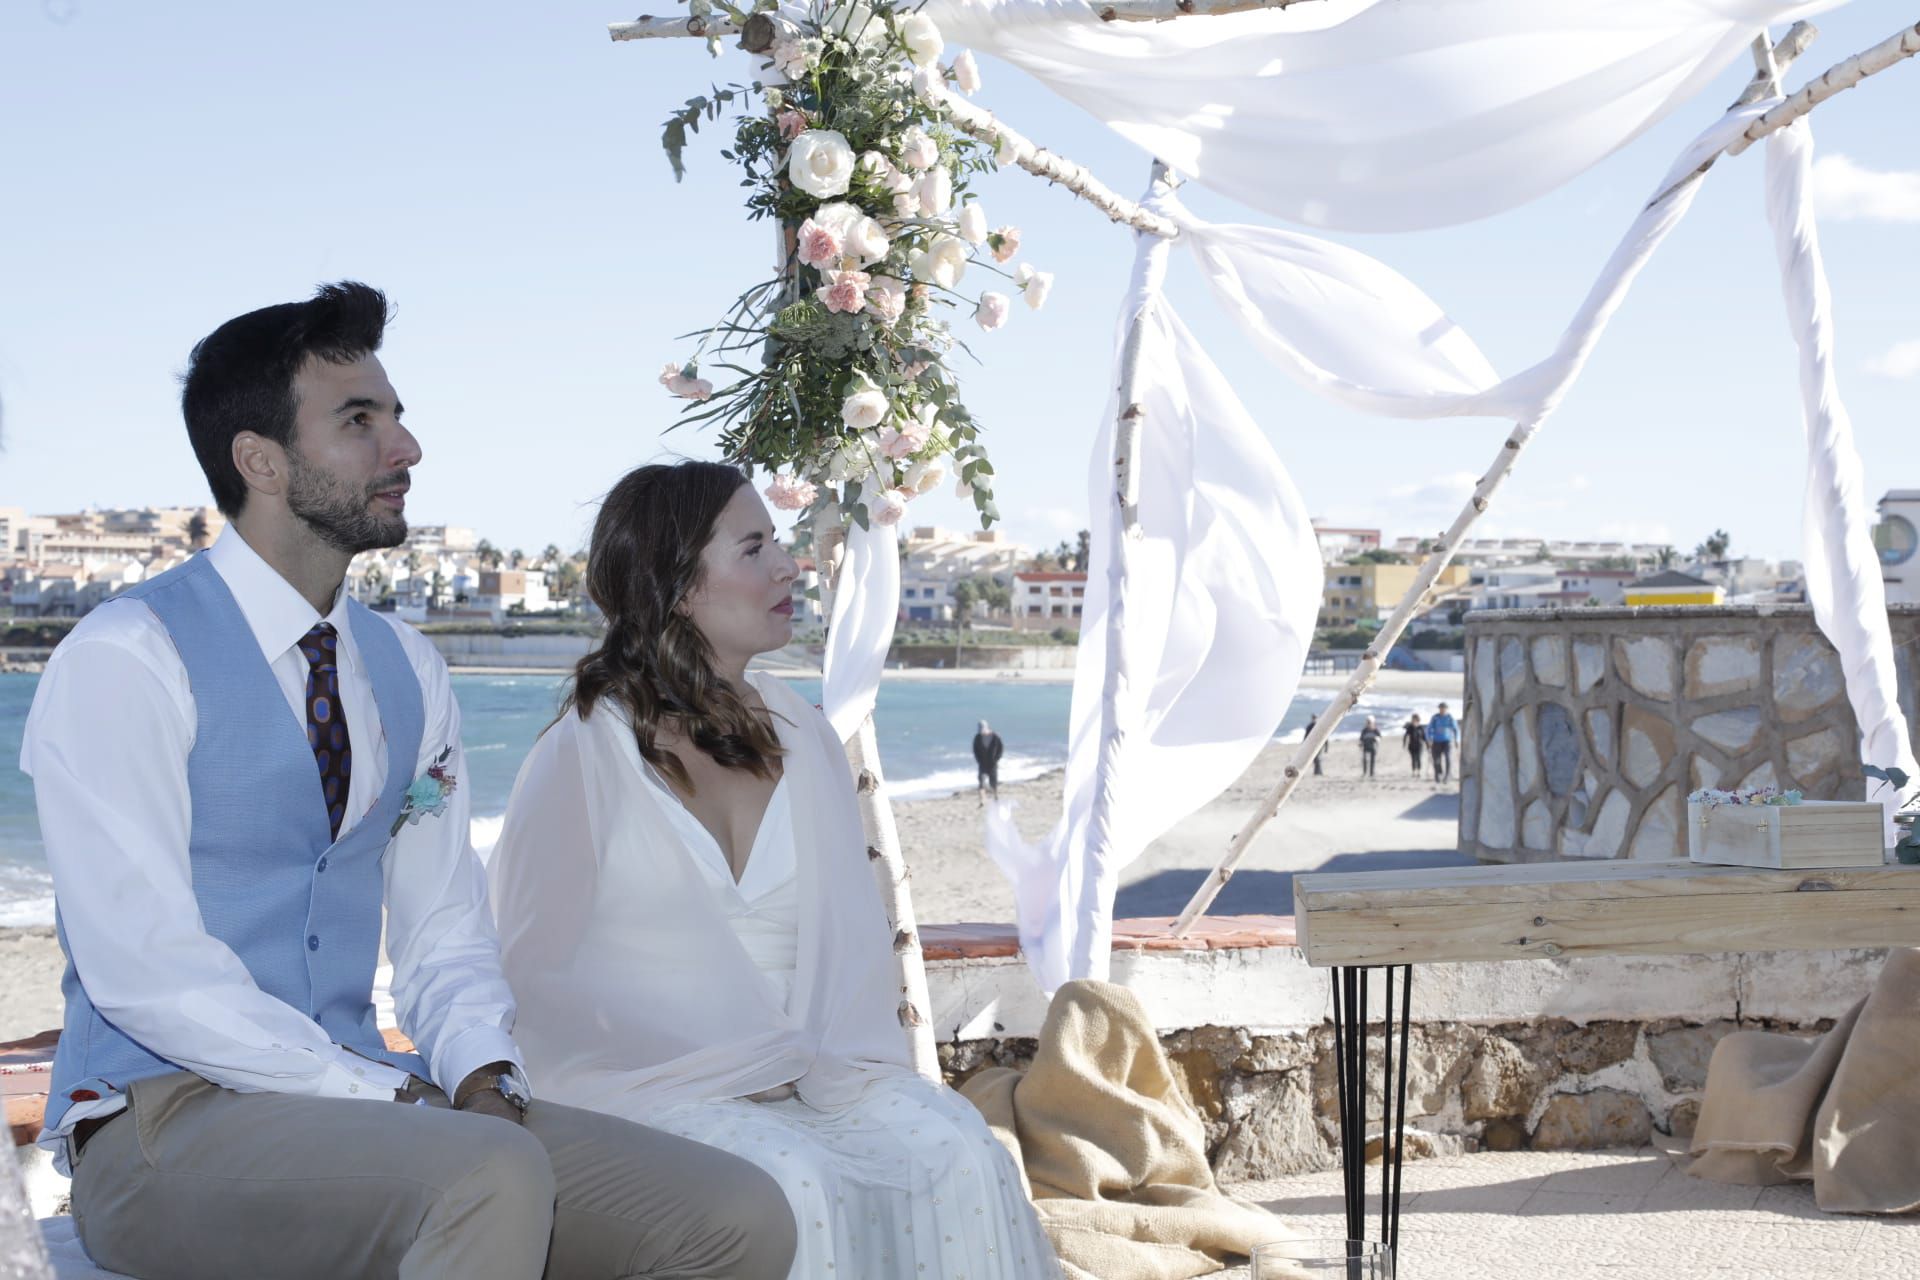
(495, 166)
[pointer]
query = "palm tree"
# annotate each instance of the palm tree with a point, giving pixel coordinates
(965, 594)
(487, 554)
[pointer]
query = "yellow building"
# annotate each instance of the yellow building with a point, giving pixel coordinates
(1673, 588)
(1362, 594)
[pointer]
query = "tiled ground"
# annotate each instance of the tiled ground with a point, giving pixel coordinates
(1620, 1215)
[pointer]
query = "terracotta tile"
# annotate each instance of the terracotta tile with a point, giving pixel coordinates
(24, 1113)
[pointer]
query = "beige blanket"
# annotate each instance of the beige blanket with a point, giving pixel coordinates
(1115, 1157)
(1842, 1110)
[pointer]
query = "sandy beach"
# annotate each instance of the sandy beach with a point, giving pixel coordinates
(1337, 821)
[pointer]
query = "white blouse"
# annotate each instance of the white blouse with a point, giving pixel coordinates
(764, 906)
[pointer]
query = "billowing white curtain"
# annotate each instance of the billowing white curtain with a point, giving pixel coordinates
(866, 603)
(1844, 585)
(1194, 633)
(1377, 117)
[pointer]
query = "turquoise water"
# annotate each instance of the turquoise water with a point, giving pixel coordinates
(925, 726)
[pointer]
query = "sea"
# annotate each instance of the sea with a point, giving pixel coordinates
(925, 729)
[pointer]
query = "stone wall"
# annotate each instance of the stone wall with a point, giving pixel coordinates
(1584, 729)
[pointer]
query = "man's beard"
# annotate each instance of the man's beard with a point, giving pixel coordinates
(339, 516)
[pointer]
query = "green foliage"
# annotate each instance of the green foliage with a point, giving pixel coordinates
(1908, 848)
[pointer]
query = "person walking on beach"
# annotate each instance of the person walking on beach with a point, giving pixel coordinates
(987, 749)
(1311, 721)
(1369, 747)
(1442, 732)
(241, 774)
(1414, 734)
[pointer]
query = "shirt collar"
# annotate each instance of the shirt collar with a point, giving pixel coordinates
(276, 612)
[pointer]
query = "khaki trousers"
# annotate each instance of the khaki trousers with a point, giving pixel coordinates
(197, 1182)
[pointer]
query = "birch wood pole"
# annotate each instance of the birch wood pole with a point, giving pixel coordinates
(1841, 77)
(884, 857)
(23, 1255)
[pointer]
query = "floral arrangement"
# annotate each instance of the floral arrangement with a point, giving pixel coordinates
(428, 794)
(1713, 797)
(854, 402)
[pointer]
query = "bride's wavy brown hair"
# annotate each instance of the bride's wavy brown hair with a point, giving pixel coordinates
(654, 662)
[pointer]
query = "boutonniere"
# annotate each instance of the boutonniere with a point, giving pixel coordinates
(428, 794)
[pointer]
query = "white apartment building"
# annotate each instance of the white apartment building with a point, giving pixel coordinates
(1048, 598)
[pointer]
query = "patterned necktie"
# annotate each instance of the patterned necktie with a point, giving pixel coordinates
(327, 719)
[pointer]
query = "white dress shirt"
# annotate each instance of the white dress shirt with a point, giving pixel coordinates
(106, 743)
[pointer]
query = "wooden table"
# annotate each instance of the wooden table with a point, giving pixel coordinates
(1393, 920)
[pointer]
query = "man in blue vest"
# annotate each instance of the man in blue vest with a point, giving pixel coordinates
(236, 768)
(1442, 732)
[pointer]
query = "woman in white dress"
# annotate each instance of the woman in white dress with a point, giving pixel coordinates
(687, 917)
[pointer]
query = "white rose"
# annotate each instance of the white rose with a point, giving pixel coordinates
(973, 223)
(864, 408)
(852, 461)
(887, 506)
(917, 150)
(935, 190)
(926, 475)
(820, 163)
(992, 311)
(966, 72)
(906, 205)
(856, 22)
(1010, 150)
(1036, 285)
(930, 86)
(858, 234)
(921, 35)
(942, 262)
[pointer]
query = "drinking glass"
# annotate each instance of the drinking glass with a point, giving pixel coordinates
(1328, 1258)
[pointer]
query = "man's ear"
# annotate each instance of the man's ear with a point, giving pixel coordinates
(262, 463)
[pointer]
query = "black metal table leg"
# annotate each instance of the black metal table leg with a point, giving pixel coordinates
(1350, 1015)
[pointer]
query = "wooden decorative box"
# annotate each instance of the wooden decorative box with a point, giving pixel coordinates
(1816, 833)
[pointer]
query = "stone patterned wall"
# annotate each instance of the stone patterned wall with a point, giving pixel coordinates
(1269, 1102)
(1584, 729)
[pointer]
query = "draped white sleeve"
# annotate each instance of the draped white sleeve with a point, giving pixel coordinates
(634, 991)
(866, 603)
(1381, 117)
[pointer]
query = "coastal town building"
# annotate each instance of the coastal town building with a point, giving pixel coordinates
(1360, 595)
(1048, 598)
(1337, 544)
(933, 560)
(1897, 539)
(1672, 587)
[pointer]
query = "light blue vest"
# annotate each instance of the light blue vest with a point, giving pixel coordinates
(301, 909)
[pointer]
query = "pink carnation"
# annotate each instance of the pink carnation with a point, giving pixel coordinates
(845, 291)
(791, 493)
(887, 299)
(903, 444)
(792, 124)
(1005, 242)
(818, 246)
(675, 380)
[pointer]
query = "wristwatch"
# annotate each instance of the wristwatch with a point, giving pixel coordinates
(510, 1088)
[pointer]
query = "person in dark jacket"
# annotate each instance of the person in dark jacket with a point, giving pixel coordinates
(1414, 734)
(987, 749)
(1369, 747)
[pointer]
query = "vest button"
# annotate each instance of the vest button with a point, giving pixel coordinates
(322, 866)
(313, 942)
(83, 1095)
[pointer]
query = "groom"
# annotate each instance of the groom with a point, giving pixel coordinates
(224, 761)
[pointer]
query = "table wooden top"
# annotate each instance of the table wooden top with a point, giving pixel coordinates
(1543, 910)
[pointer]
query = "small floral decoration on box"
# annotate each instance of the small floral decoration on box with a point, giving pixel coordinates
(1751, 795)
(854, 404)
(428, 794)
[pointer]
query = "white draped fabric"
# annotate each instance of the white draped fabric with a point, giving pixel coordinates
(1383, 117)
(1844, 585)
(1218, 594)
(635, 991)
(866, 603)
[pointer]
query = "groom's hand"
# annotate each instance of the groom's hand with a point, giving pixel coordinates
(478, 1095)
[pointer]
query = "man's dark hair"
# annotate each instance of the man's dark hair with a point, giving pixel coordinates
(240, 376)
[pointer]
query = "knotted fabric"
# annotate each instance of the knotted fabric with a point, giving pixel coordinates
(327, 719)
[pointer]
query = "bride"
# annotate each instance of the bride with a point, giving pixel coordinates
(689, 924)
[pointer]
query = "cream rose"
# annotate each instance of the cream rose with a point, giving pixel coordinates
(930, 86)
(887, 299)
(921, 35)
(973, 223)
(935, 191)
(918, 151)
(856, 233)
(1005, 243)
(925, 475)
(942, 262)
(1034, 285)
(966, 72)
(887, 506)
(992, 311)
(820, 163)
(865, 408)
